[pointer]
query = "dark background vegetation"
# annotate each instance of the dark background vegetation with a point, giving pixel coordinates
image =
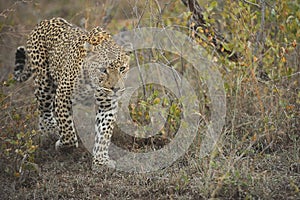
(256, 46)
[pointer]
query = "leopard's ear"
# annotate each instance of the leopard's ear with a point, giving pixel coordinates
(97, 36)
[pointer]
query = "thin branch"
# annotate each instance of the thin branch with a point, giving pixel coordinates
(260, 44)
(217, 39)
(251, 3)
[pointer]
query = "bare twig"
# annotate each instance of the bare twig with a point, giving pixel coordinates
(141, 75)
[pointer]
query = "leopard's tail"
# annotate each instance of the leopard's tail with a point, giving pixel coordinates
(21, 73)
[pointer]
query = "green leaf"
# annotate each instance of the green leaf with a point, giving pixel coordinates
(20, 136)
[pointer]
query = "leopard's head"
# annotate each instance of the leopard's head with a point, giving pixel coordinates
(107, 63)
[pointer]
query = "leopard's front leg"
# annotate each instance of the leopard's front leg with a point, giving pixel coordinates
(104, 124)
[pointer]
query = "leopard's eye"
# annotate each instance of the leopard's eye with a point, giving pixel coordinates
(122, 69)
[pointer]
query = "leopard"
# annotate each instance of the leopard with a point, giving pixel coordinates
(61, 57)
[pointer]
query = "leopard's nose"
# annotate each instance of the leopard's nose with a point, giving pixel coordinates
(115, 89)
